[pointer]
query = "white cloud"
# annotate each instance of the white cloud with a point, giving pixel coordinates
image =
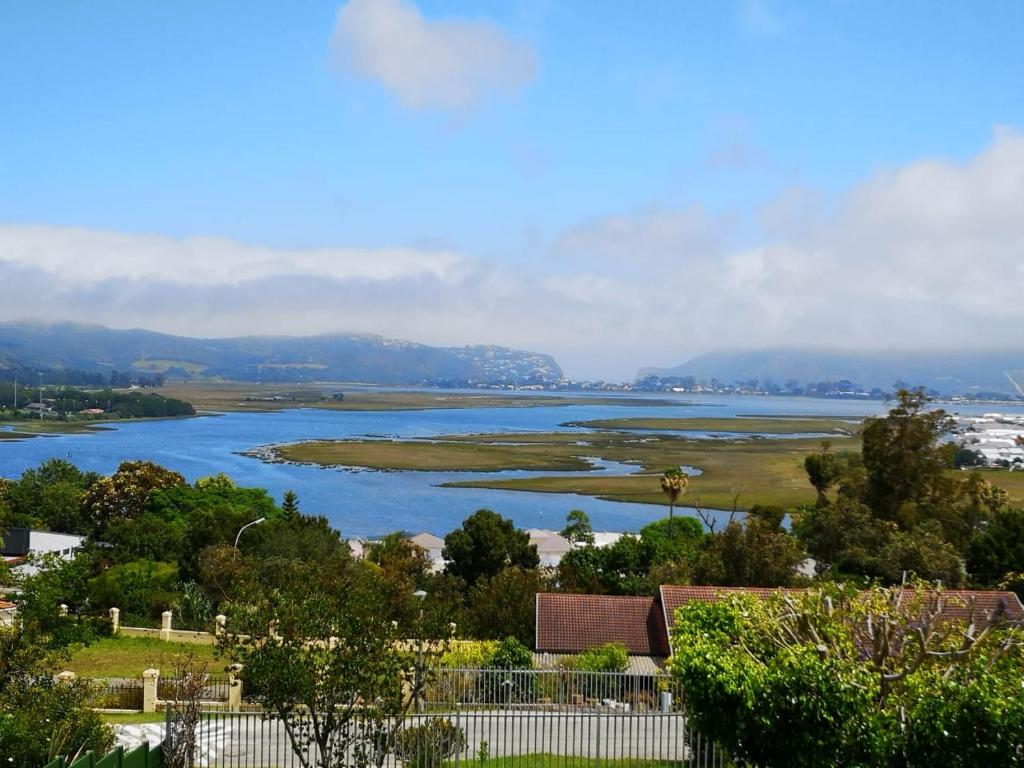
(927, 255)
(448, 63)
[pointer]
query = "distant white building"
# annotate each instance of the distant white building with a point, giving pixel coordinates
(433, 546)
(19, 543)
(551, 546)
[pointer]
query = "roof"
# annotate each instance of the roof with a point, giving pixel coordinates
(574, 623)
(427, 541)
(549, 542)
(637, 665)
(6, 606)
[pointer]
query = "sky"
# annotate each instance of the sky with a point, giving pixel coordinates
(618, 184)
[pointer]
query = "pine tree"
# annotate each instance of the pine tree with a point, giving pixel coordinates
(290, 505)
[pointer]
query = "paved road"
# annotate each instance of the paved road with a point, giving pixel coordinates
(246, 741)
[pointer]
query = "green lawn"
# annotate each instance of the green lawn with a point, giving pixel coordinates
(134, 718)
(129, 656)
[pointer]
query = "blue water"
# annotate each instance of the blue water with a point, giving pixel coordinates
(366, 503)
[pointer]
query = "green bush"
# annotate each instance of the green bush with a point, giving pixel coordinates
(862, 679)
(428, 745)
(511, 654)
(610, 657)
(41, 719)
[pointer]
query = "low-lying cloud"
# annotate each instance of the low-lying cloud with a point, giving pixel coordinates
(447, 63)
(926, 255)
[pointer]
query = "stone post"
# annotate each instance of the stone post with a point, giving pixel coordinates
(150, 678)
(62, 610)
(66, 677)
(234, 688)
(220, 625)
(115, 620)
(165, 625)
(272, 630)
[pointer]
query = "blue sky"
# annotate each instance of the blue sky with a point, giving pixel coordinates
(565, 152)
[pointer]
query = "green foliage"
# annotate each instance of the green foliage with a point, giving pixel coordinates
(48, 497)
(756, 552)
(485, 544)
(577, 528)
(124, 494)
(290, 505)
(511, 654)
(429, 744)
(610, 657)
(468, 654)
(193, 610)
(504, 605)
(998, 549)
(41, 719)
(850, 679)
(140, 588)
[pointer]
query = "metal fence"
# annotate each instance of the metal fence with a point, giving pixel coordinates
(118, 693)
(485, 719)
(215, 688)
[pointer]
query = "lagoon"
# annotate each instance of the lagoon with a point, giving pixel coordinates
(367, 503)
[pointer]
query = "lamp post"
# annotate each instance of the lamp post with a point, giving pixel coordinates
(420, 595)
(247, 525)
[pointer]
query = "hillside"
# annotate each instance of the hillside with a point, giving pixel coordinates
(952, 372)
(333, 357)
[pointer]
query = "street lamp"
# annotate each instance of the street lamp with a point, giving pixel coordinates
(247, 525)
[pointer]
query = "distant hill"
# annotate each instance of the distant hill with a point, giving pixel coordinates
(949, 373)
(333, 357)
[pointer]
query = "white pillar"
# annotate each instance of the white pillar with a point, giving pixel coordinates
(115, 620)
(165, 625)
(150, 678)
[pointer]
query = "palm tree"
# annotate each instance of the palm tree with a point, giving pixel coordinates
(673, 485)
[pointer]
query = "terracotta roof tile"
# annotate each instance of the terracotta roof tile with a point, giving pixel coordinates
(574, 623)
(4, 605)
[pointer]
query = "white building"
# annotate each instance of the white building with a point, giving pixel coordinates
(433, 546)
(20, 543)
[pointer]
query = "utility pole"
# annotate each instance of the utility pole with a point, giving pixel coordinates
(15, 393)
(40, 396)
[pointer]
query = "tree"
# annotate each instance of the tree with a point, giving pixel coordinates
(823, 470)
(290, 505)
(905, 460)
(317, 652)
(577, 528)
(754, 553)
(505, 605)
(673, 485)
(125, 493)
(41, 718)
(49, 497)
(484, 545)
(997, 549)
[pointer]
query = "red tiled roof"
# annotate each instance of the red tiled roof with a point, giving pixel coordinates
(574, 623)
(4, 605)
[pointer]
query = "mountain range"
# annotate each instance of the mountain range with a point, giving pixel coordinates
(953, 372)
(332, 357)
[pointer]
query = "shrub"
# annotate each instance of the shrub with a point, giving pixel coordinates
(610, 657)
(428, 745)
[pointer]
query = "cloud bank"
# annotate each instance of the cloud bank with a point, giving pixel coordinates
(444, 64)
(927, 255)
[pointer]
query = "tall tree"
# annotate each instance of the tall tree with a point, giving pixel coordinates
(485, 544)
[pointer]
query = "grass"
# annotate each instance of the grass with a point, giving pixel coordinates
(738, 473)
(130, 656)
(134, 718)
(237, 396)
(759, 425)
(161, 366)
(434, 457)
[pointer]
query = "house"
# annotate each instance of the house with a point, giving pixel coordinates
(433, 546)
(7, 613)
(568, 624)
(19, 543)
(551, 546)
